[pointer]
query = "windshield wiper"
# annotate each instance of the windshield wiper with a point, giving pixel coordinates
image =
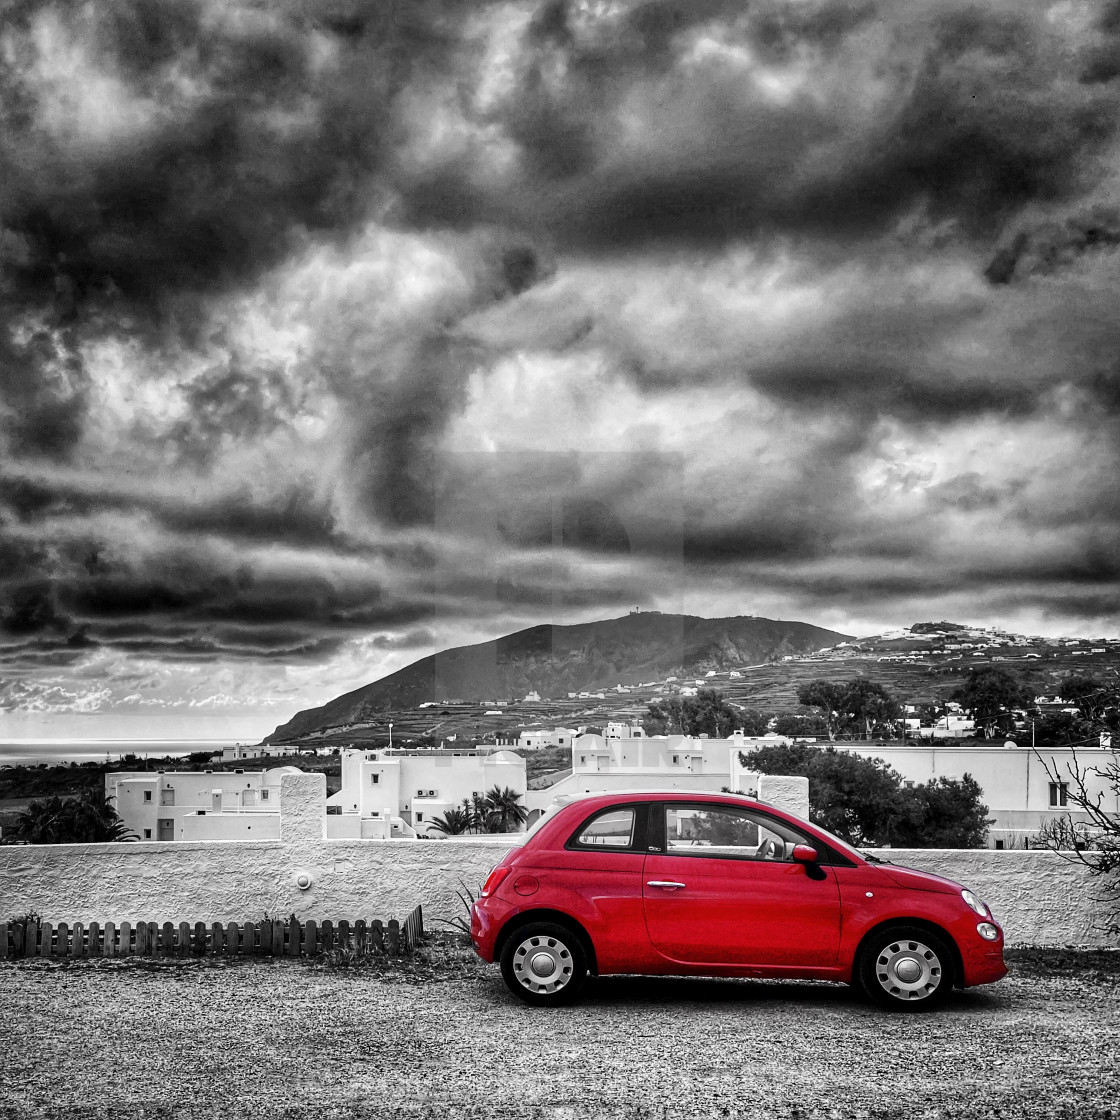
(873, 859)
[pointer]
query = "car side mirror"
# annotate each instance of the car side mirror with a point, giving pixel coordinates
(805, 853)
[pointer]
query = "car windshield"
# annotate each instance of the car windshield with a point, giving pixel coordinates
(849, 849)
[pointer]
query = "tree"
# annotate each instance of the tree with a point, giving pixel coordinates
(943, 813)
(1094, 839)
(1092, 698)
(706, 713)
(862, 800)
(827, 697)
(858, 702)
(455, 821)
(1058, 729)
(753, 722)
(795, 726)
(88, 818)
(869, 703)
(502, 810)
(856, 798)
(991, 695)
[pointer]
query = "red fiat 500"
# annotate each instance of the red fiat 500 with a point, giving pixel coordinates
(701, 884)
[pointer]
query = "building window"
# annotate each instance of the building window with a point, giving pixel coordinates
(373, 779)
(264, 795)
(147, 834)
(676, 759)
(1059, 795)
(147, 795)
(999, 845)
(419, 817)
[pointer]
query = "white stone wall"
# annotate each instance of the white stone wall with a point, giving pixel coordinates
(1040, 899)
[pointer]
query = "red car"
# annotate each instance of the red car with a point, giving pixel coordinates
(700, 884)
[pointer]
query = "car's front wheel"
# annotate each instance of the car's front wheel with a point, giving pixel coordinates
(543, 963)
(906, 968)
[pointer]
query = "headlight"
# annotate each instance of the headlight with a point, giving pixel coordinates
(975, 904)
(987, 931)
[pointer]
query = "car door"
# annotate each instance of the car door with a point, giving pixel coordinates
(722, 888)
(596, 878)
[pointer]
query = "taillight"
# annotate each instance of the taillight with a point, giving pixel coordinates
(494, 880)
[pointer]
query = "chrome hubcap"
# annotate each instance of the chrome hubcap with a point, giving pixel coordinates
(908, 970)
(542, 964)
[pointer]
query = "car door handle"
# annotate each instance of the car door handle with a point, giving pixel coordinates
(668, 884)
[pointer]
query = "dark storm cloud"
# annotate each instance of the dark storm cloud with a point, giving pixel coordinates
(969, 492)
(265, 269)
(1054, 246)
(158, 152)
(232, 403)
(294, 514)
(975, 116)
(863, 385)
(412, 639)
(43, 387)
(250, 140)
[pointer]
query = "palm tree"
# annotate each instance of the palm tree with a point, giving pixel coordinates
(503, 810)
(85, 819)
(478, 810)
(40, 822)
(454, 822)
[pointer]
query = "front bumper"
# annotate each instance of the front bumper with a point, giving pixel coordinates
(983, 960)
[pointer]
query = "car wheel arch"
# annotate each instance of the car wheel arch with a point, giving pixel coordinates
(920, 923)
(543, 914)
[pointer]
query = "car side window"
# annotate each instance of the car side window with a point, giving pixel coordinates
(613, 828)
(728, 832)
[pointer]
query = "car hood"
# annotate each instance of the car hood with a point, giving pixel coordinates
(918, 880)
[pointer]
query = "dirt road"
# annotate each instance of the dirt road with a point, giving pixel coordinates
(442, 1038)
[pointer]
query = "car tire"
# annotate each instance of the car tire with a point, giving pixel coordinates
(544, 964)
(906, 968)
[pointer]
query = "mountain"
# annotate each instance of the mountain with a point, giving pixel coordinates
(556, 660)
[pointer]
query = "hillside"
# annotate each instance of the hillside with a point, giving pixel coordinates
(556, 660)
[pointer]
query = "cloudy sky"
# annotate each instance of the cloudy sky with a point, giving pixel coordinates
(333, 334)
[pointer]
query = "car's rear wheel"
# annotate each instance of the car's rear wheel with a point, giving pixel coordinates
(906, 968)
(543, 963)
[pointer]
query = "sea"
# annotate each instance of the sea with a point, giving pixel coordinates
(22, 752)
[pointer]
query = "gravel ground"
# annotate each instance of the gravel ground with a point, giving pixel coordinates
(439, 1036)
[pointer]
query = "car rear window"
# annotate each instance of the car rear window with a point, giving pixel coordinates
(613, 828)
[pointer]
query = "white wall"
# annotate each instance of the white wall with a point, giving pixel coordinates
(1039, 898)
(228, 826)
(1015, 782)
(400, 777)
(143, 798)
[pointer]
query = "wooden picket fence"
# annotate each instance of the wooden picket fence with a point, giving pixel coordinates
(268, 938)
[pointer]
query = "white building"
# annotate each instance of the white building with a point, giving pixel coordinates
(248, 751)
(538, 740)
(947, 727)
(624, 758)
(198, 805)
(1020, 789)
(398, 792)
(384, 794)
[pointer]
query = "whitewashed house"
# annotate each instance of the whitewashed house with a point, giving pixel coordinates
(405, 788)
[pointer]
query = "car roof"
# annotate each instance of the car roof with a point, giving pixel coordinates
(626, 796)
